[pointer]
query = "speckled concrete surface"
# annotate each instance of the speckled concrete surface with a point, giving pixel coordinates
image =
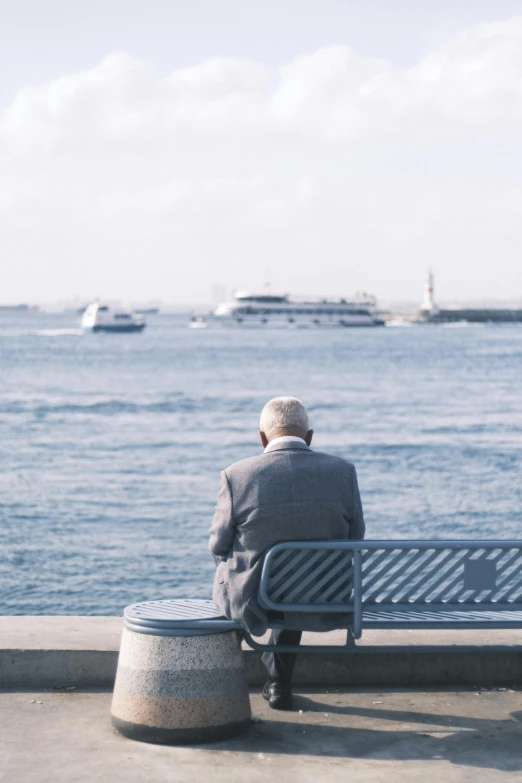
(378, 735)
(191, 652)
(184, 683)
(172, 713)
(177, 684)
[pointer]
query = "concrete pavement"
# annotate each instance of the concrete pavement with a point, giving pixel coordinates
(339, 735)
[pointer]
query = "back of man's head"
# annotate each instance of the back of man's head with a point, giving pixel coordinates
(284, 416)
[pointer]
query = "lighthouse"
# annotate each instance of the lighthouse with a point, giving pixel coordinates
(428, 306)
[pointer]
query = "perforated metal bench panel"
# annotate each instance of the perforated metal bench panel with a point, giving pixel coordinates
(474, 574)
(304, 576)
(428, 584)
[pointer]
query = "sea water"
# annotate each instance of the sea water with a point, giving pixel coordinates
(111, 445)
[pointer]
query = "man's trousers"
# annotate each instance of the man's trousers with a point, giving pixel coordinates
(282, 664)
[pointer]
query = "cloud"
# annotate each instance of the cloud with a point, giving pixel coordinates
(333, 151)
(333, 92)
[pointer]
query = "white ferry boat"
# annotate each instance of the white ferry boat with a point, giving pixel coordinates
(269, 310)
(100, 318)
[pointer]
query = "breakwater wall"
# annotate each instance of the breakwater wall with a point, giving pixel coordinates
(473, 315)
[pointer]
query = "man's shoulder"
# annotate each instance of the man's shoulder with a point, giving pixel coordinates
(245, 465)
(335, 461)
(261, 461)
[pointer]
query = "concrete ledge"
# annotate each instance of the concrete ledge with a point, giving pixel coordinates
(83, 652)
(53, 651)
(55, 668)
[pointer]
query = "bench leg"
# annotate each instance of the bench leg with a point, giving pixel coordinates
(350, 646)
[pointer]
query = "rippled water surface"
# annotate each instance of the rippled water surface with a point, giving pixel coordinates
(111, 445)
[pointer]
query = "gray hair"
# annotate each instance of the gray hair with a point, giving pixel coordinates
(283, 413)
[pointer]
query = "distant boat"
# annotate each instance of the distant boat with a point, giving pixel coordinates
(281, 311)
(147, 310)
(100, 318)
(20, 308)
(197, 322)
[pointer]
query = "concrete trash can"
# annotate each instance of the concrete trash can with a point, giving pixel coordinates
(181, 676)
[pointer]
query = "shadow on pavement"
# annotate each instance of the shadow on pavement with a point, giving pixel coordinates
(466, 741)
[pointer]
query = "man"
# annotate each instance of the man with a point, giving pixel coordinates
(287, 493)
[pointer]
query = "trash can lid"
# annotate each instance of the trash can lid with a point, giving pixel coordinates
(177, 617)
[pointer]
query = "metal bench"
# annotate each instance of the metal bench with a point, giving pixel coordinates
(393, 584)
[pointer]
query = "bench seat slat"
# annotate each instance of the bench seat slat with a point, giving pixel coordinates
(441, 619)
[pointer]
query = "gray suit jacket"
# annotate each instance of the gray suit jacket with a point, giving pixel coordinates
(289, 493)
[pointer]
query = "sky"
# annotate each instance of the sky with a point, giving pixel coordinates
(177, 151)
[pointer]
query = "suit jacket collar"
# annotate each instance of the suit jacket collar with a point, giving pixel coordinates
(287, 446)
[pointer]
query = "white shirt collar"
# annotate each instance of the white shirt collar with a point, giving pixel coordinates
(284, 439)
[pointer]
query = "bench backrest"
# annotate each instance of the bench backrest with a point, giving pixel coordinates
(329, 576)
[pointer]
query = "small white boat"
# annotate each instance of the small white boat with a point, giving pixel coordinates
(101, 318)
(198, 322)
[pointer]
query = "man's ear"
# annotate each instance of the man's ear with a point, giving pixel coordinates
(264, 439)
(309, 436)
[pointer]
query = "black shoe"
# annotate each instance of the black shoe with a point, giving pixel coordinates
(278, 694)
